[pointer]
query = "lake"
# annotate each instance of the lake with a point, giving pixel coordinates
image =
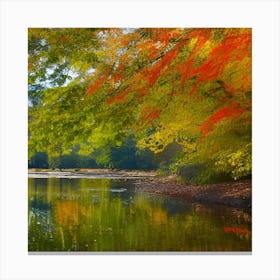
(109, 215)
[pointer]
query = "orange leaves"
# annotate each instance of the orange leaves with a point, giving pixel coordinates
(187, 71)
(120, 68)
(117, 77)
(159, 33)
(164, 37)
(149, 114)
(127, 38)
(202, 35)
(232, 48)
(241, 45)
(237, 230)
(104, 77)
(230, 111)
(162, 61)
(153, 52)
(153, 73)
(125, 58)
(143, 91)
(119, 98)
(125, 42)
(95, 86)
(64, 39)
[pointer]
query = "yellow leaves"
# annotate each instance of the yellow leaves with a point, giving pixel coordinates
(204, 52)
(238, 163)
(238, 75)
(192, 43)
(188, 147)
(234, 158)
(125, 58)
(156, 142)
(179, 122)
(175, 32)
(167, 134)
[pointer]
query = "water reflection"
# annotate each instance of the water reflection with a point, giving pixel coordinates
(108, 215)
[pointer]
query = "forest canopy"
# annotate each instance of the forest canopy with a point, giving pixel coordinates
(180, 97)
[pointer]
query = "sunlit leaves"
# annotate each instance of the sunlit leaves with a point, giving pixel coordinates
(238, 163)
(56, 55)
(189, 86)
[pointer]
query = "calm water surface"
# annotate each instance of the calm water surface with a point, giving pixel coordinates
(109, 215)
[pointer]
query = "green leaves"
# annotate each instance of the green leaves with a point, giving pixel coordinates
(188, 87)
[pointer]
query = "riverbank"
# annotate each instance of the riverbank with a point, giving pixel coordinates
(236, 194)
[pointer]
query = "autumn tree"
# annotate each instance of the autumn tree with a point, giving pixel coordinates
(164, 86)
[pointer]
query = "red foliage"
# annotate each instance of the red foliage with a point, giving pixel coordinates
(150, 113)
(153, 72)
(202, 35)
(237, 230)
(232, 48)
(119, 98)
(143, 91)
(124, 42)
(117, 77)
(120, 68)
(187, 70)
(153, 52)
(159, 34)
(230, 111)
(64, 39)
(194, 88)
(229, 88)
(95, 86)
(164, 37)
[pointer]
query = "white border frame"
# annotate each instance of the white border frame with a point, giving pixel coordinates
(17, 16)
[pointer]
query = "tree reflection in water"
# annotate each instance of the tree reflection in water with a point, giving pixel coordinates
(103, 215)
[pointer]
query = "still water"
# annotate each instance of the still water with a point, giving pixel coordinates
(109, 215)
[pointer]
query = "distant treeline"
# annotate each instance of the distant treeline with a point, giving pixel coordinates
(127, 156)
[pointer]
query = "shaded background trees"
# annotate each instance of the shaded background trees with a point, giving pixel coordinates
(126, 156)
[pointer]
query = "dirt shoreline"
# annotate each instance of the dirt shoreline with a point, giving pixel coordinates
(235, 194)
